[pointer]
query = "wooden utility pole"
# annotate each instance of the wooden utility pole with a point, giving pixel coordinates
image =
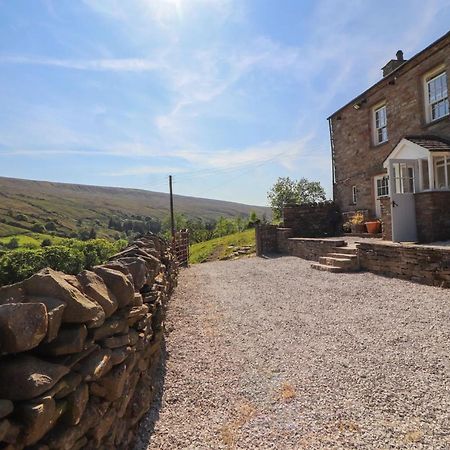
(172, 218)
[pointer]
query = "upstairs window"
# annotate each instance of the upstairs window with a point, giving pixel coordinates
(437, 96)
(380, 125)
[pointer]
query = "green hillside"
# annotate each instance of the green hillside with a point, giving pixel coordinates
(38, 206)
(222, 247)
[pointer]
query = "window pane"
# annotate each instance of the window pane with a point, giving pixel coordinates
(438, 96)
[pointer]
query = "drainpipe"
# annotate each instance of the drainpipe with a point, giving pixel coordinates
(333, 167)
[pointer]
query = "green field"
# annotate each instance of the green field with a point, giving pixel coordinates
(30, 240)
(219, 248)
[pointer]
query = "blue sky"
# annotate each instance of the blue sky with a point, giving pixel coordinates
(226, 95)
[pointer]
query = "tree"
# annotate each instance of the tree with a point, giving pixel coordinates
(286, 190)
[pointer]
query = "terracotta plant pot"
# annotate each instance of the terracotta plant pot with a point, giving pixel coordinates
(373, 227)
(358, 228)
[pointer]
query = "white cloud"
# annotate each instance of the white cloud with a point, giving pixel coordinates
(111, 64)
(143, 170)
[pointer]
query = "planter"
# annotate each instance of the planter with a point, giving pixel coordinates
(358, 228)
(373, 227)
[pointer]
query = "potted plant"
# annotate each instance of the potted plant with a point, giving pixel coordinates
(357, 223)
(373, 226)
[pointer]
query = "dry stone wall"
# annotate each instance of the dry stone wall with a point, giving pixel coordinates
(419, 263)
(79, 353)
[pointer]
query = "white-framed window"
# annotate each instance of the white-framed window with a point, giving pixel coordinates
(354, 195)
(382, 186)
(380, 124)
(442, 172)
(404, 178)
(436, 95)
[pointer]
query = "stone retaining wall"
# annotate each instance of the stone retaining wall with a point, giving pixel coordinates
(79, 353)
(312, 219)
(266, 239)
(313, 249)
(427, 265)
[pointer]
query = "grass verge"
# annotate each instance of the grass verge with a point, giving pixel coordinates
(222, 247)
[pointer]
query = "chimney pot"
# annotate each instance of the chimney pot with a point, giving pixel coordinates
(399, 55)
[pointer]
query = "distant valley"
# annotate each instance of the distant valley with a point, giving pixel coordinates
(63, 209)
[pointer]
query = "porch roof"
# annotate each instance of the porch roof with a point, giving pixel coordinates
(431, 143)
(415, 147)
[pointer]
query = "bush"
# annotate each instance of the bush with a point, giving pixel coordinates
(50, 226)
(38, 228)
(71, 256)
(12, 244)
(46, 242)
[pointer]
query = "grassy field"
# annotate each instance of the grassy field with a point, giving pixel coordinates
(30, 240)
(220, 248)
(24, 204)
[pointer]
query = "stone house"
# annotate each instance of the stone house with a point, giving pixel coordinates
(391, 147)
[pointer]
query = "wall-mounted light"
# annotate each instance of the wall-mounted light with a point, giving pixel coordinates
(359, 104)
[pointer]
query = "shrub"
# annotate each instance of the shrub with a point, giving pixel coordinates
(71, 256)
(38, 228)
(12, 244)
(46, 242)
(50, 226)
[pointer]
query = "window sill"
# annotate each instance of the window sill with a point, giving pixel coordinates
(380, 144)
(434, 122)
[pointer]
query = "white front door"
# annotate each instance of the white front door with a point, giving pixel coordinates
(380, 189)
(403, 184)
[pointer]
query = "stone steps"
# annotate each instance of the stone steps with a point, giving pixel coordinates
(343, 259)
(327, 268)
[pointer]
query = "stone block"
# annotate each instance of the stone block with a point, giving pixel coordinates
(118, 283)
(50, 283)
(23, 376)
(22, 326)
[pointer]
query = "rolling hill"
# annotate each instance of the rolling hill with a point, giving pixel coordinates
(24, 204)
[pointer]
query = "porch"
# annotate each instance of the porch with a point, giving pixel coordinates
(418, 207)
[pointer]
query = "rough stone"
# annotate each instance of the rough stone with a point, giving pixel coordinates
(12, 293)
(111, 326)
(65, 386)
(76, 404)
(95, 288)
(138, 299)
(70, 340)
(118, 283)
(38, 417)
(116, 341)
(138, 270)
(111, 385)
(54, 316)
(23, 376)
(119, 354)
(6, 408)
(50, 283)
(9, 432)
(22, 326)
(96, 365)
(137, 313)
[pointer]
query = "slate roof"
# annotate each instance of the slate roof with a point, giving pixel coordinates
(431, 143)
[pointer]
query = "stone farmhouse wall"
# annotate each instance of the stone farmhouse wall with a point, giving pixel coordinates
(79, 353)
(426, 265)
(356, 158)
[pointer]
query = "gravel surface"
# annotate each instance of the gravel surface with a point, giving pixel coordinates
(268, 353)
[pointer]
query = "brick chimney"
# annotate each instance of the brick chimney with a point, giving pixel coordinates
(393, 64)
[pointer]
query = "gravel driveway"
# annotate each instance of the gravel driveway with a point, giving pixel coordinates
(268, 353)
